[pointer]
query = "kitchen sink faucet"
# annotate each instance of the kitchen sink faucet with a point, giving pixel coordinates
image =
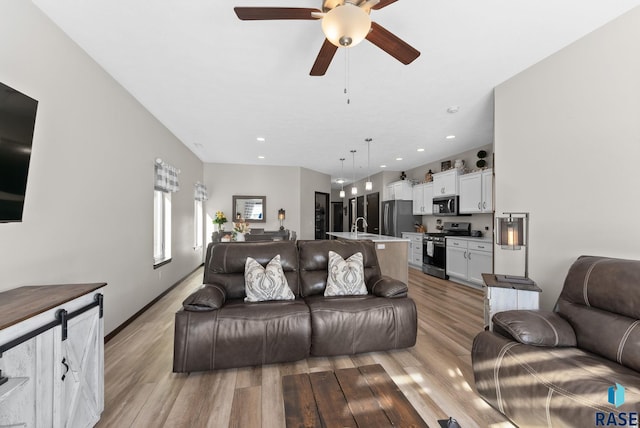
(354, 227)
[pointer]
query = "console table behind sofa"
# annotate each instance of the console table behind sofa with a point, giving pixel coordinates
(260, 235)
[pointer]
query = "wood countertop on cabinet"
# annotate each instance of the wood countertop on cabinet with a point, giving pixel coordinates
(25, 302)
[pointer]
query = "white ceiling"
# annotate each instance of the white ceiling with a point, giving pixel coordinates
(218, 83)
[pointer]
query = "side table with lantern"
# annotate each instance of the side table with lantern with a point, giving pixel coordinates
(505, 293)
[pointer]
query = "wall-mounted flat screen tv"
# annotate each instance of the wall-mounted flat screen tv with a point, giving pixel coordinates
(17, 121)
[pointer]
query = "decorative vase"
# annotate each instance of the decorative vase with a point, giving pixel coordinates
(239, 236)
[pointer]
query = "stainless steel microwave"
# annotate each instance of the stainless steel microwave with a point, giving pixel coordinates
(446, 206)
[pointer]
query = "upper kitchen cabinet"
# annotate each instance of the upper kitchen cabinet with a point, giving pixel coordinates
(445, 183)
(423, 199)
(398, 190)
(476, 192)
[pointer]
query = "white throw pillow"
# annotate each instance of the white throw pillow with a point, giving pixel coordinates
(266, 283)
(346, 277)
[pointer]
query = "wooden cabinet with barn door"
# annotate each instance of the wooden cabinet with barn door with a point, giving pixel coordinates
(52, 356)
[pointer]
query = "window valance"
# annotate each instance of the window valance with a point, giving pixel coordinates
(166, 177)
(200, 193)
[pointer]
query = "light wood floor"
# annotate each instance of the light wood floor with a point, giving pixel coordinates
(435, 375)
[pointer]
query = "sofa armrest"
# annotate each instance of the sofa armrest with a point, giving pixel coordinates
(537, 328)
(208, 298)
(385, 286)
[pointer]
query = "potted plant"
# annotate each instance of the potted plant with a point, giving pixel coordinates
(220, 219)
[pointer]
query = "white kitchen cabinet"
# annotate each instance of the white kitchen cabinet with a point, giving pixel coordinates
(399, 190)
(479, 261)
(467, 259)
(422, 199)
(476, 192)
(487, 190)
(456, 259)
(52, 352)
(415, 248)
(445, 183)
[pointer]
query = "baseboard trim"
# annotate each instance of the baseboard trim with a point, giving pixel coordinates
(121, 327)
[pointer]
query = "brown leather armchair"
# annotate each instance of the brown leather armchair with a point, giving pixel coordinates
(555, 368)
(217, 329)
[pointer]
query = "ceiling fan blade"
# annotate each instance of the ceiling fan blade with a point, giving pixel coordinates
(266, 13)
(383, 3)
(392, 44)
(327, 51)
(368, 4)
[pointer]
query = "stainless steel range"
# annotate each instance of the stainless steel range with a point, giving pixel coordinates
(434, 252)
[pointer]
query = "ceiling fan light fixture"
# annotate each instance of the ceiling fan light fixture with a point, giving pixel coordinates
(346, 25)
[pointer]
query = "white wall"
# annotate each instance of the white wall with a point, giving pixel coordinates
(280, 184)
(88, 214)
(567, 144)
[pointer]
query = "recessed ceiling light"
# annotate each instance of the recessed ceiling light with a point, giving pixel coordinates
(450, 137)
(398, 158)
(340, 180)
(421, 150)
(261, 139)
(260, 157)
(453, 109)
(383, 166)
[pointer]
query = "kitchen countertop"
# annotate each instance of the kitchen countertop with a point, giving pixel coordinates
(486, 239)
(367, 236)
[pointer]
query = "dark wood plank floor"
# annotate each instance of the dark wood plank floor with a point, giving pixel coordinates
(435, 375)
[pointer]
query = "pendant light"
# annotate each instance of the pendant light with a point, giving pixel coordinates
(368, 185)
(354, 189)
(342, 194)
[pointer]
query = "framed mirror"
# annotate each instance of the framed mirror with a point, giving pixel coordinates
(250, 208)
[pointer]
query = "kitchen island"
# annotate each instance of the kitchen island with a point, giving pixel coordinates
(392, 252)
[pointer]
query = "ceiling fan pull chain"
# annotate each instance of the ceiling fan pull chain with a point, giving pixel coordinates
(346, 75)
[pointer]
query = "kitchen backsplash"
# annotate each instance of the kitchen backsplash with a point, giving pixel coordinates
(478, 222)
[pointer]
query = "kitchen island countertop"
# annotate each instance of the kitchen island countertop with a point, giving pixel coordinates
(367, 236)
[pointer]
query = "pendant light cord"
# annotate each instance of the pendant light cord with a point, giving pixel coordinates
(342, 184)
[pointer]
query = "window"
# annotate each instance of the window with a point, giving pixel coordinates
(165, 183)
(199, 195)
(198, 225)
(161, 228)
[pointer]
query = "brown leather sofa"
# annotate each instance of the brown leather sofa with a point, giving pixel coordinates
(556, 368)
(216, 329)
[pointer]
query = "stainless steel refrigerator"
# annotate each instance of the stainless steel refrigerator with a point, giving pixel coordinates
(397, 217)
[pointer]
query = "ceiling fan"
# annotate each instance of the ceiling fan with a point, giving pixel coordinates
(345, 23)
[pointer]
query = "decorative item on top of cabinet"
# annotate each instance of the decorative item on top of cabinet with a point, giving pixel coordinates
(428, 177)
(445, 166)
(481, 163)
(476, 192)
